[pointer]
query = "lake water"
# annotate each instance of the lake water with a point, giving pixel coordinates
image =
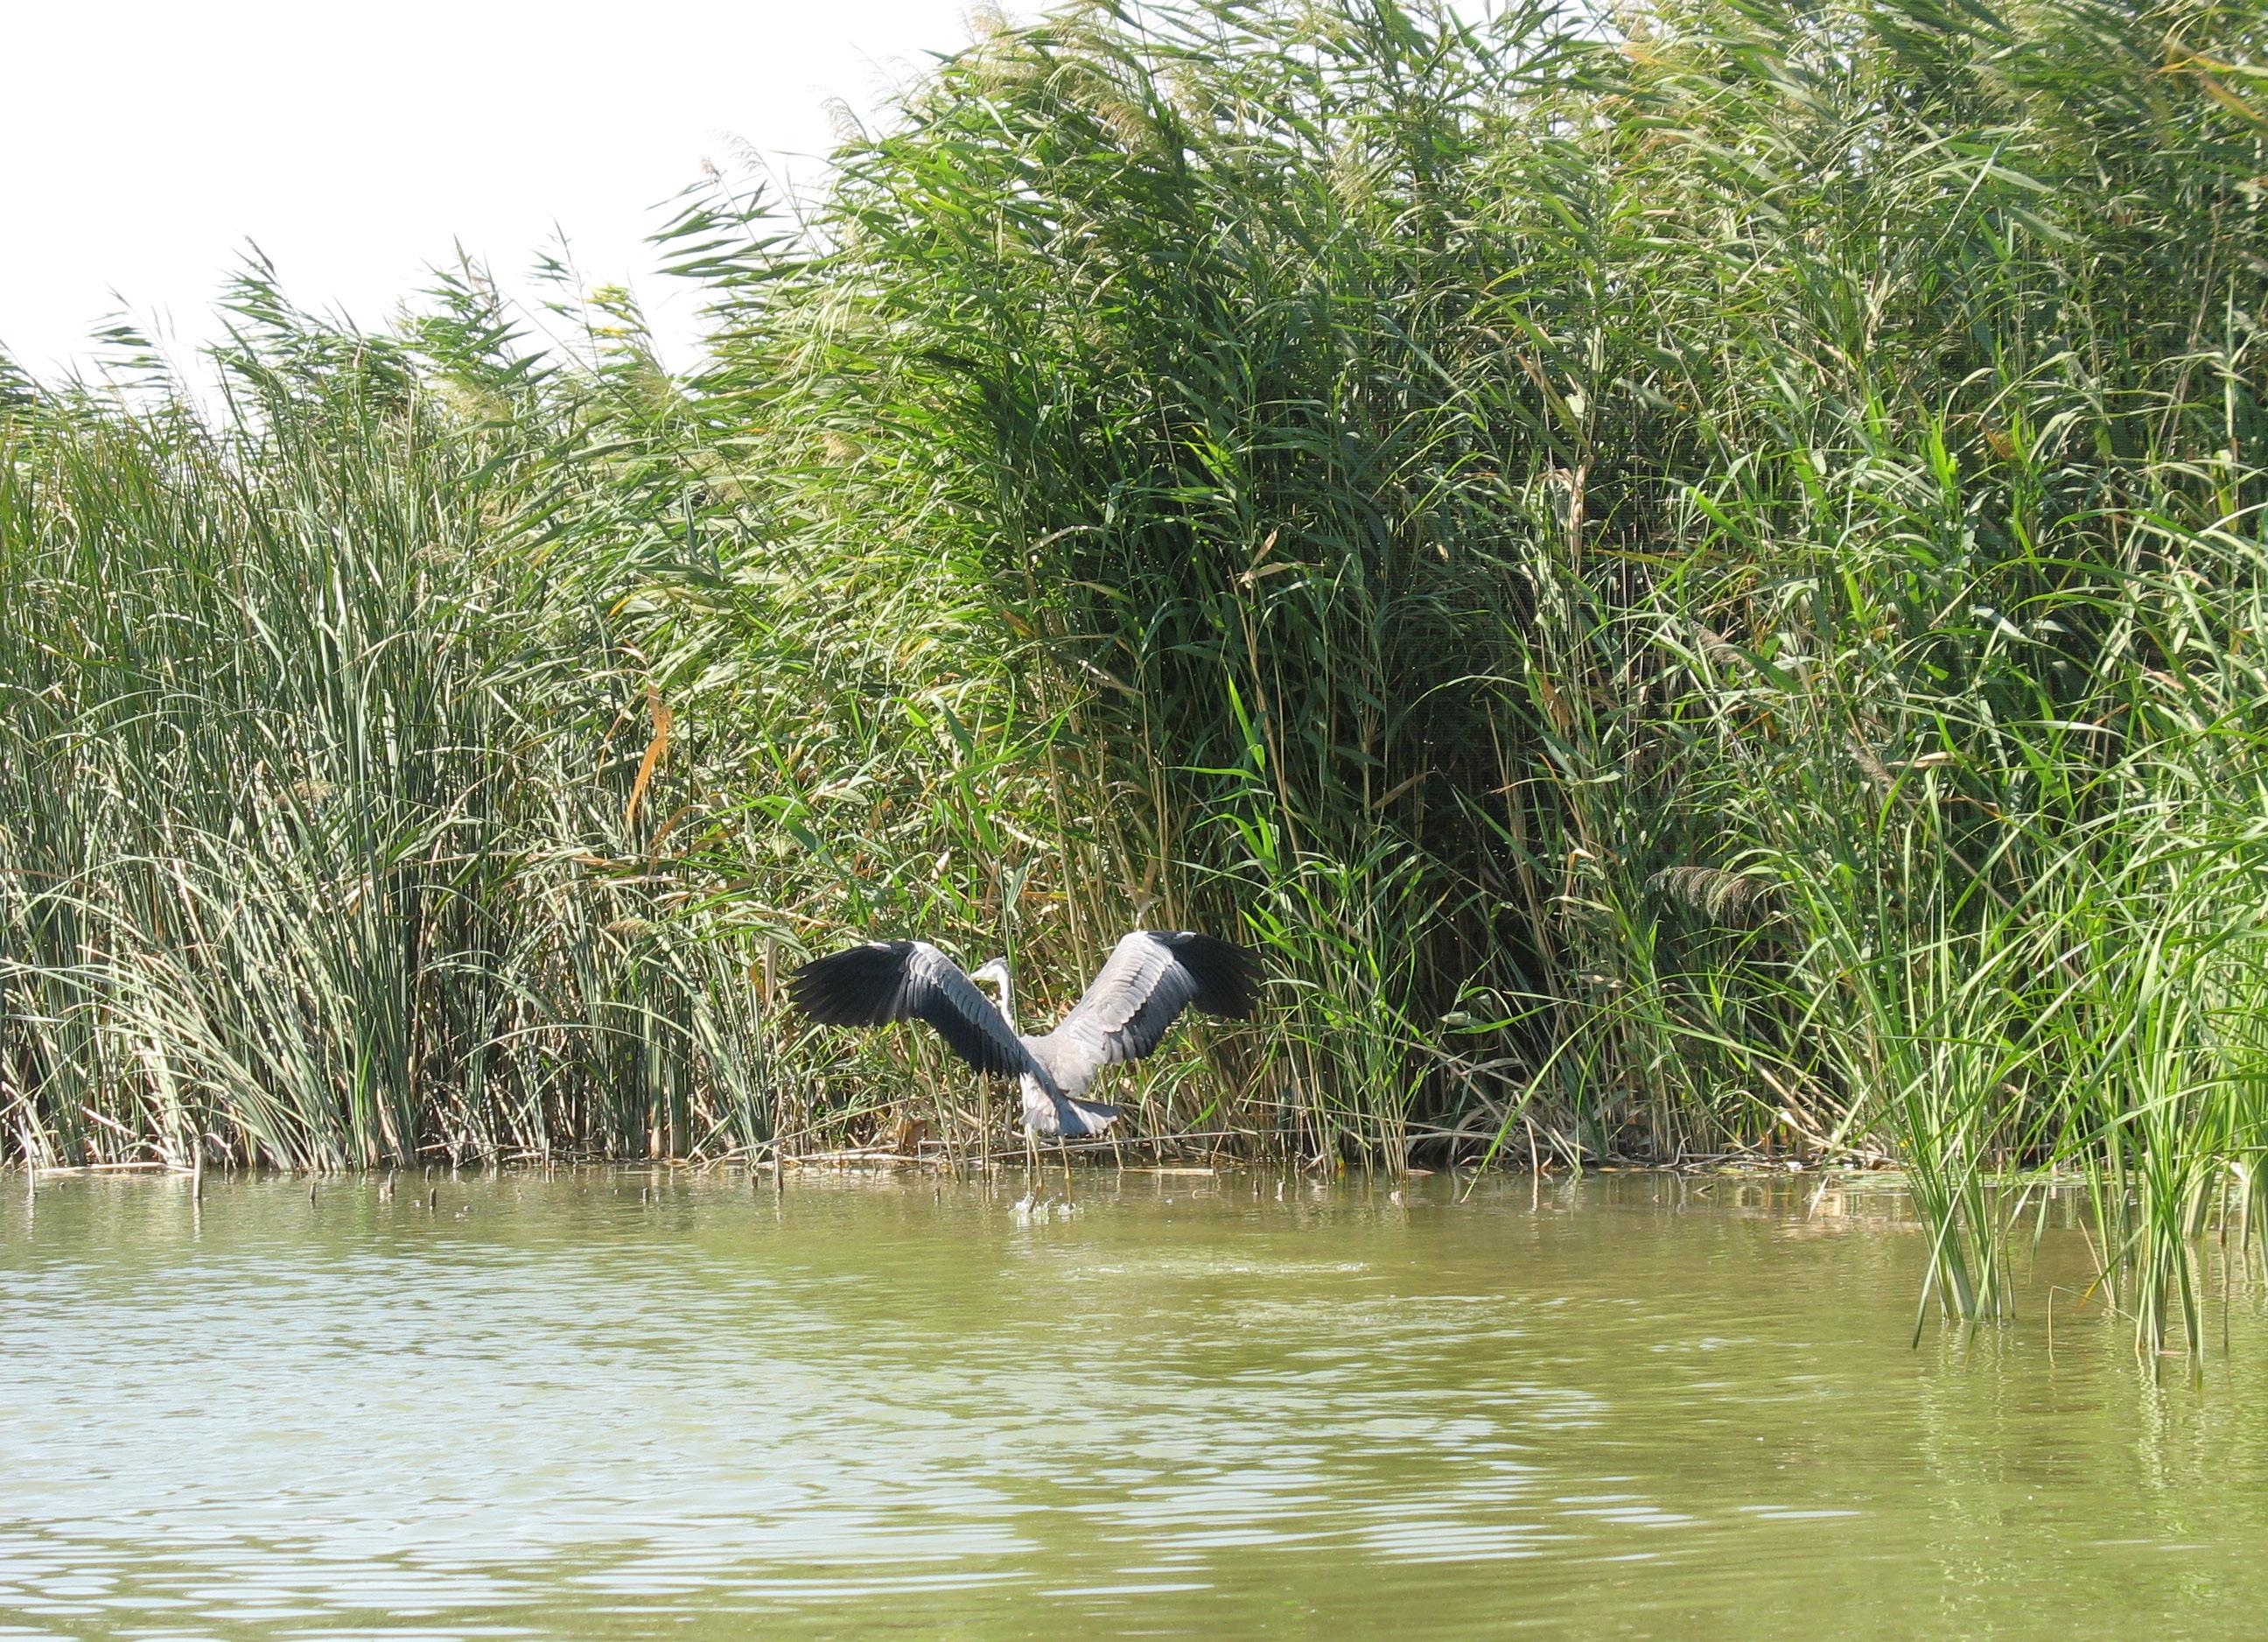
(623, 1404)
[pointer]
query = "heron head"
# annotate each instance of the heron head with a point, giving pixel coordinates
(996, 972)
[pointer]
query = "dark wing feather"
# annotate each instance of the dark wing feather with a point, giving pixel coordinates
(1150, 978)
(884, 981)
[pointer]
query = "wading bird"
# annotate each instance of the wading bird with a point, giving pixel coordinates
(1151, 977)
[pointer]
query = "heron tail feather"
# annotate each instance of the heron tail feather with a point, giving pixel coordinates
(1061, 1115)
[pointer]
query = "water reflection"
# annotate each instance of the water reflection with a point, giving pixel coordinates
(593, 1405)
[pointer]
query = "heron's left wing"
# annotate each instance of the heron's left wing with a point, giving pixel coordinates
(895, 981)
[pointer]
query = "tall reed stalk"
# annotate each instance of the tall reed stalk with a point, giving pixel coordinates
(1693, 576)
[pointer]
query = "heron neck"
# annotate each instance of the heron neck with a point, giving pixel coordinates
(1008, 1000)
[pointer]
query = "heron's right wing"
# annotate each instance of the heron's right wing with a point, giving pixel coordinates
(1149, 979)
(895, 981)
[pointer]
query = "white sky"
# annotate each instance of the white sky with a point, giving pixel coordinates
(144, 143)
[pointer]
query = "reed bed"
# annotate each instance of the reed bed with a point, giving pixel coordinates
(1692, 576)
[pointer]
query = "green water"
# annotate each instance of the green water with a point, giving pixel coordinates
(568, 1408)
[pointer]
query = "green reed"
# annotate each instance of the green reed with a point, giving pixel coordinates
(1694, 579)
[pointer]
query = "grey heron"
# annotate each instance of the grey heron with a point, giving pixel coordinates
(1150, 978)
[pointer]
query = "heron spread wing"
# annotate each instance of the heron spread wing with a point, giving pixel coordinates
(1151, 977)
(895, 981)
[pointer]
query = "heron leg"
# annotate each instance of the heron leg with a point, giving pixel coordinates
(1031, 1159)
(1062, 1157)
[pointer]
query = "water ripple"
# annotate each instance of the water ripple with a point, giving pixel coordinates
(592, 1406)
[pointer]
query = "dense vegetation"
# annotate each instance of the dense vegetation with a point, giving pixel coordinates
(1696, 580)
